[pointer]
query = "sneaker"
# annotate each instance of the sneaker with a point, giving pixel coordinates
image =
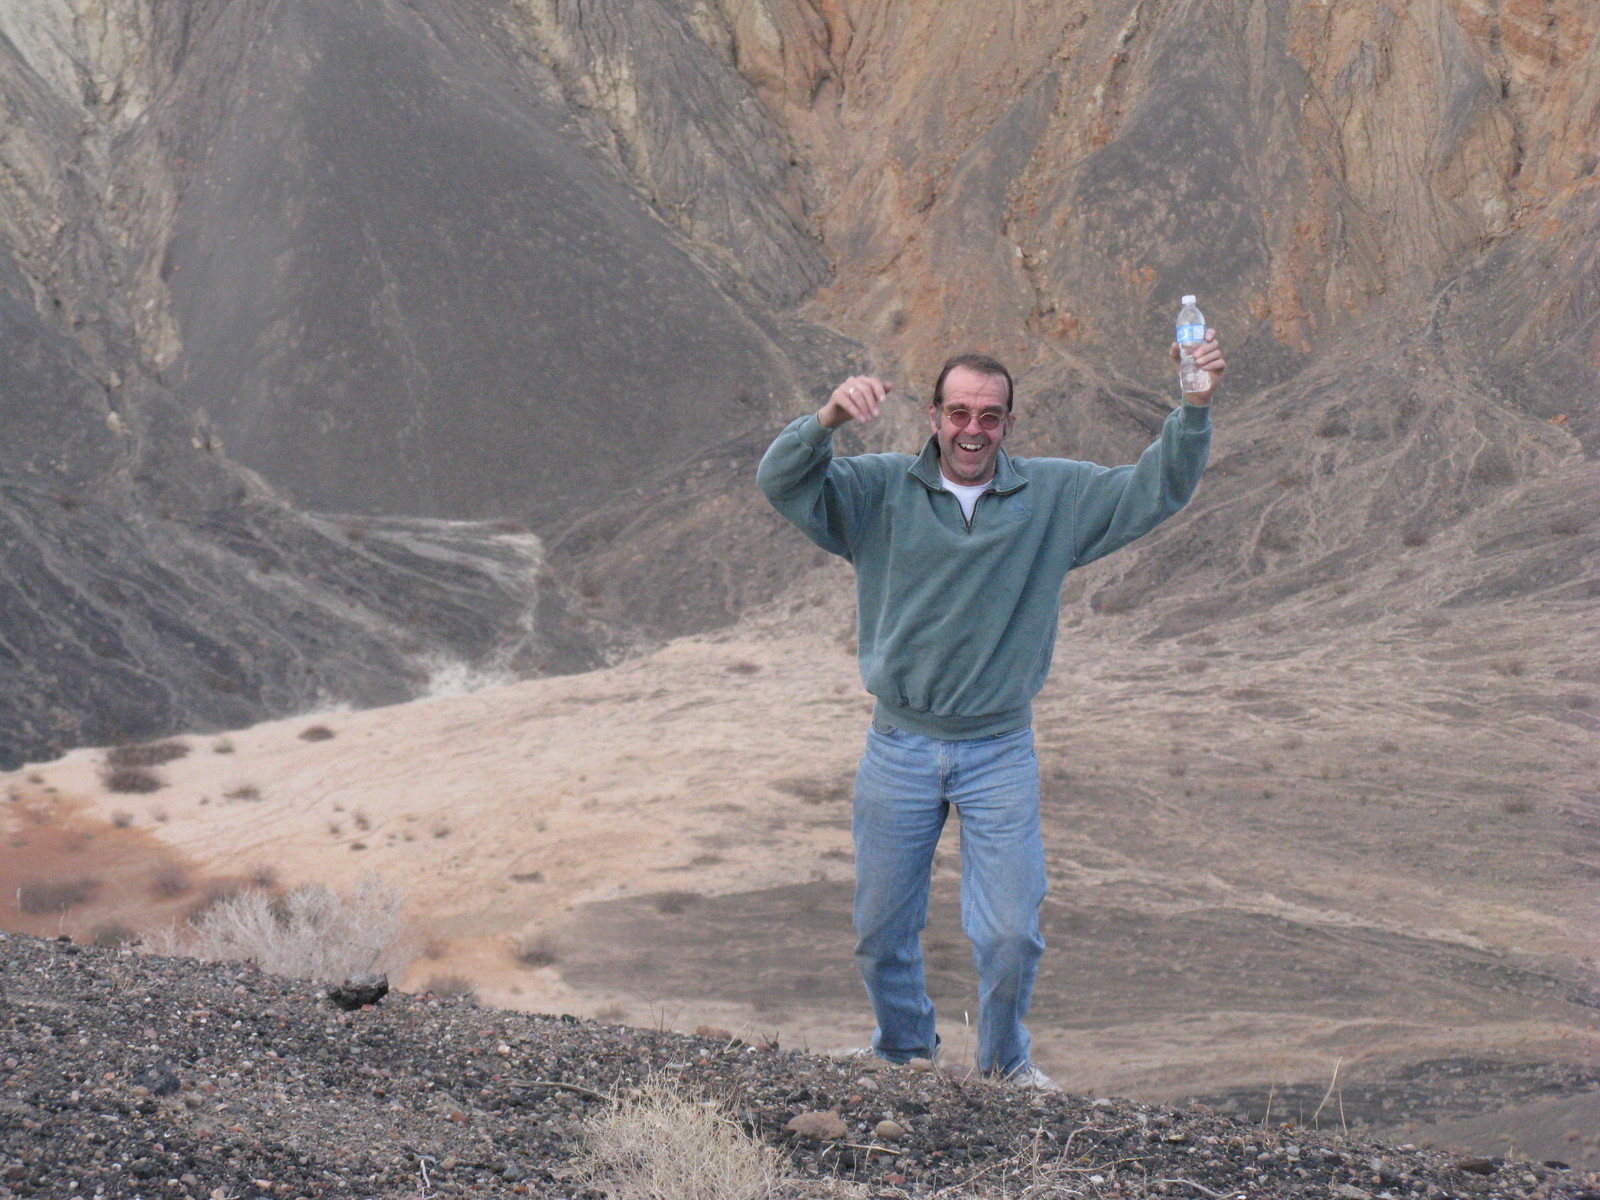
(862, 1054)
(866, 1054)
(1032, 1079)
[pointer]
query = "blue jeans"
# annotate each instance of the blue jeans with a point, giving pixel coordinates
(905, 786)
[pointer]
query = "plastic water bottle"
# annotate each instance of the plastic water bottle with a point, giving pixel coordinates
(1191, 335)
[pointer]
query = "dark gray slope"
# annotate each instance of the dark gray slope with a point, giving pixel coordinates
(388, 256)
(405, 284)
(147, 583)
(148, 586)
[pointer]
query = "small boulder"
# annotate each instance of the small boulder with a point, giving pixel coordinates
(890, 1131)
(358, 990)
(820, 1125)
(158, 1078)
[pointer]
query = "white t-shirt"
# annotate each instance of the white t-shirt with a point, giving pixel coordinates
(966, 493)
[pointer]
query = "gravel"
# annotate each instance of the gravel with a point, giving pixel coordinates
(130, 1075)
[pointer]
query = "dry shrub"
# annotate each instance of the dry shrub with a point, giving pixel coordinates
(1493, 468)
(131, 779)
(310, 931)
(151, 754)
(816, 791)
(55, 895)
(451, 985)
(111, 934)
(170, 880)
(660, 1146)
(675, 902)
(1333, 425)
(536, 950)
(215, 892)
(248, 791)
(316, 733)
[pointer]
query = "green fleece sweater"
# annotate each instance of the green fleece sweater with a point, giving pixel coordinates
(956, 623)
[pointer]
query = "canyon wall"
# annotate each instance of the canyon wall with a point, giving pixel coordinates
(540, 277)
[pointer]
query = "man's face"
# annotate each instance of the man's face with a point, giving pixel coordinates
(971, 425)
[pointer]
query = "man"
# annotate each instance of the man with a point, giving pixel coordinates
(959, 556)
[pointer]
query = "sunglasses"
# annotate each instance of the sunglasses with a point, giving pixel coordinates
(962, 417)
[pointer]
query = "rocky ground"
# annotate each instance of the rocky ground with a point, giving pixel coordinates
(126, 1075)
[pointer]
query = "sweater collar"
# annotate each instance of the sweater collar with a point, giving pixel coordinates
(926, 471)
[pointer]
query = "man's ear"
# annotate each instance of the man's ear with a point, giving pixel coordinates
(933, 417)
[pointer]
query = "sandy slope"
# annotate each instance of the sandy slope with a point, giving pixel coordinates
(1271, 857)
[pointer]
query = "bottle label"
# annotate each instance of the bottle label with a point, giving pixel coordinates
(1188, 335)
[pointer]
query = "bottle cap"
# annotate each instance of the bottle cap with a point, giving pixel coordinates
(1188, 299)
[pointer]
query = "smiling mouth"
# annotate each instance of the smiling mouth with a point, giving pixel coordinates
(970, 447)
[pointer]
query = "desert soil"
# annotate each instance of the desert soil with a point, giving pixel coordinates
(129, 1075)
(1279, 871)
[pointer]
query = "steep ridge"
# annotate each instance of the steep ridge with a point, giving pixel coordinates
(404, 283)
(539, 262)
(150, 583)
(448, 303)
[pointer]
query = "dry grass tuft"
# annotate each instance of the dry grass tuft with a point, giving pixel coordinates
(657, 1145)
(55, 895)
(111, 934)
(131, 779)
(536, 950)
(170, 880)
(451, 985)
(151, 754)
(309, 932)
(675, 902)
(315, 733)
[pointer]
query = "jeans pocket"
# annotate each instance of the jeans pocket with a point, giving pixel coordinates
(882, 728)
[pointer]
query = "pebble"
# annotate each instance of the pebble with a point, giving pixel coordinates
(822, 1126)
(365, 1105)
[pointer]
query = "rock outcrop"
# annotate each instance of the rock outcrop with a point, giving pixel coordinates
(567, 265)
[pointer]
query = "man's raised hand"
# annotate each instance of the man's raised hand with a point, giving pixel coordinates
(856, 399)
(1209, 359)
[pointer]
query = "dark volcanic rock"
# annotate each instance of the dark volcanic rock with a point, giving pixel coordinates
(398, 259)
(361, 989)
(280, 1094)
(405, 281)
(150, 585)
